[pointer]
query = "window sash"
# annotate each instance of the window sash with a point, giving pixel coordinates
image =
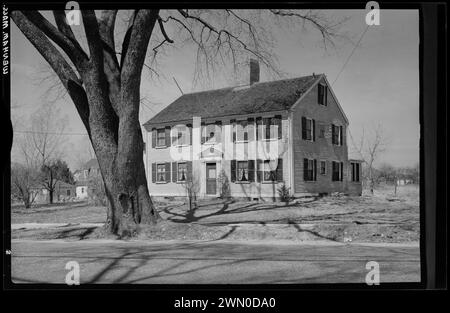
(242, 171)
(268, 175)
(337, 174)
(182, 172)
(308, 129)
(241, 131)
(210, 133)
(161, 137)
(161, 172)
(309, 171)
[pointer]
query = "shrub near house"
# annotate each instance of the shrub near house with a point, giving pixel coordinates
(260, 136)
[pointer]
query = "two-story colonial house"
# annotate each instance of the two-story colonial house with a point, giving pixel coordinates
(253, 138)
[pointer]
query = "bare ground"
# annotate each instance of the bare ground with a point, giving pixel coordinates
(378, 218)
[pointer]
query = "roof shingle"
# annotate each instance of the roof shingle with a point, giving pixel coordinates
(260, 97)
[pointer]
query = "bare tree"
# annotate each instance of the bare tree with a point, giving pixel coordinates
(23, 180)
(369, 150)
(43, 144)
(104, 82)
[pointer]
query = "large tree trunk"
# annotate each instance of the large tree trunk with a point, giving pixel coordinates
(106, 96)
(50, 196)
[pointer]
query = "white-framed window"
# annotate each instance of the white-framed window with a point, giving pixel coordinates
(270, 128)
(323, 167)
(161, 172)
(268, 173)
(180, 137)
(209, 133)
(242, 171)
(160, 137)
(242, 131)
(182, 172)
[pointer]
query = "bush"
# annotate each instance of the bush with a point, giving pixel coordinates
(224, 185)
(284, 193)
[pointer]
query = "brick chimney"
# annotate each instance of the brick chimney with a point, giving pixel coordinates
(254, 71)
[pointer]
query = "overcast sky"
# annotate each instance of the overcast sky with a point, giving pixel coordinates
(380, 83)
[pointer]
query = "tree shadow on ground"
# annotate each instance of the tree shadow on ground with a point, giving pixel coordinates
(141, 260)
(190, 217)
(300, 229)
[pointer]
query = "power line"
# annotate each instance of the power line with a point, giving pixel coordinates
(353, 51)
(49, 133)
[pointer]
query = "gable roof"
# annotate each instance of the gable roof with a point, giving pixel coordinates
(260, 97)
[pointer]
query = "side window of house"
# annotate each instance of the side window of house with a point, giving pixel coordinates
(68, 192)
(322, 94)
(323, 167)
(337, 135)
(355, 171)
(308, 129)
(309, 169)
(337, 171)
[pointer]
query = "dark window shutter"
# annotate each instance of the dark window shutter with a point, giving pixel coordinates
(280, 170)
(278, 124)
(320, 94)
(342, 172)
(167, 135)
(153, 172)
(218, 133)
(258, 128)
(258, 170)
(189, 126)
(303, 127)
(342, 135)
(167, 171)
(315, 169)
(174, 172)
(174, 138)
(305, 169)
(154, 137)
(251, 170)
(314, 130)
(326, 95)
(332, 134)
(189, 169)
(233, 171)
(203, 132)
(251, 129)
(233, 130)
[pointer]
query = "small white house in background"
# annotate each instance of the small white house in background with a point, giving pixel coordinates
(81, 191)
(82, 176)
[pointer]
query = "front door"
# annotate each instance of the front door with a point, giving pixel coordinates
(211, 182)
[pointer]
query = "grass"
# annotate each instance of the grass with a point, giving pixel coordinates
(381, 217)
